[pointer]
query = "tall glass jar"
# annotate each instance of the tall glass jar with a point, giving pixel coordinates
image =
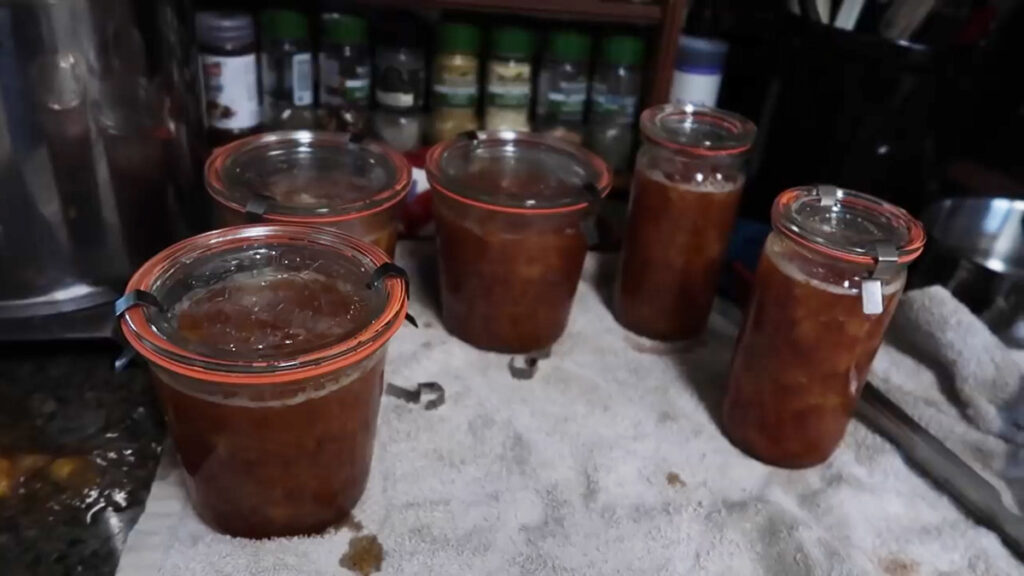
(686, 189)
(509, 80)
(563, 85)
(306, 177)
(613, 102)
(268, 356)
(827, 284)
(344, 73)
(286, 59)
(509, 208)
(456, 81)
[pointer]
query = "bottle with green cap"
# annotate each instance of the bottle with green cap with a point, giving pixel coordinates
(455, 90)
(287, 69)
(509, 86)
(613, 101)
(563, 85)
(344, 72)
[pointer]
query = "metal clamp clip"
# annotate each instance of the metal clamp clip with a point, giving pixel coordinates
(257, 206)
(828, 194)
(391, 269)
(887, 263)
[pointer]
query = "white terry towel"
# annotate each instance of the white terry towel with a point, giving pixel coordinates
(608, 462)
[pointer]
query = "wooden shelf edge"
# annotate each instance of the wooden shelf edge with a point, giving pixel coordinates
(584, 10)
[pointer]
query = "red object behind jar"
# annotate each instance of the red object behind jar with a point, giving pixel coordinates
(269, 356)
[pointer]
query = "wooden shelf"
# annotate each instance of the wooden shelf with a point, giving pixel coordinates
(587, 10)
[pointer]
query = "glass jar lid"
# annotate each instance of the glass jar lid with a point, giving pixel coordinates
(847, 224)
(697, 129)
(263, 303)
(307, 176)
(517, 172)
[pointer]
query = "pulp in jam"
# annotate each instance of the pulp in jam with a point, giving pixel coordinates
(674, 245)
(283, 458)
(507, 280)
(801, 359)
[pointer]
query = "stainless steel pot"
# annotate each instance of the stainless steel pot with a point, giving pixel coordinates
(100, 149)
(976, 250)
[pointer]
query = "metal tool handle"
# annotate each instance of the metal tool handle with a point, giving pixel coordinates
(952, 475)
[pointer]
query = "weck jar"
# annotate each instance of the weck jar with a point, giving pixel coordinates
(687, 183)
(309, 177)
(827, 284)
(510, 208)
(267, 343)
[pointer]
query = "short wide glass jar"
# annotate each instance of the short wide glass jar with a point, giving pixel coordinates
(268, 355)
(510, 208)
(827, 284)
(686, 190)
(311, 177)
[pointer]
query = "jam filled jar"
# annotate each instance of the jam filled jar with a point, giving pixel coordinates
(826, 287)
(686, 189)
(309, 177)
(267, 344)
(510, 208)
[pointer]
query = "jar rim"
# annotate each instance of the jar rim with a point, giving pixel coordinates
(599, 182)
(906, 231)
(386, 197)
(669, 125)
(158, 349)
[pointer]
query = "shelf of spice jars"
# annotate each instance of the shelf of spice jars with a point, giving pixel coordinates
(591, 10)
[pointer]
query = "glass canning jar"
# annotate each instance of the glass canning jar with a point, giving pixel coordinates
(826, 286)
(309, 177)
(509, 208)
(268, 356)
(687, 183)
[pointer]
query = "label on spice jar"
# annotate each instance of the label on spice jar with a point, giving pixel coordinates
(508, 84)
(399, 88)
(288, 79)
(231, 91)
(603, 102)
(339, 86)
(566, 100)
(455, 84)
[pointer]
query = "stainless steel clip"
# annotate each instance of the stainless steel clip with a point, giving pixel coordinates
(887, 263)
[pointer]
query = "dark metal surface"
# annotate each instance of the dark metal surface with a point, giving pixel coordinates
(62, 401)
(940, 464)
(976, 250)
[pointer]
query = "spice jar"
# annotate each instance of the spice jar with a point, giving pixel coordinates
(227, 56)
(287, 70)
(686, 190)
(826, 286)
(456, 79)
(509, 87)
(509, 208)
(267, 349)
(344, 73)
(307, 177)
(563, 85)
(612, 121)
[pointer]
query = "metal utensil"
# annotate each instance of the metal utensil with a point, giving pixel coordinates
(952, 475)
(976, 250)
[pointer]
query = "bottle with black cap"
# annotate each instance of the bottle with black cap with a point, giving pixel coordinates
(231, 92)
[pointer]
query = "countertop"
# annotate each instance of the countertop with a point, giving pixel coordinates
(80, 444)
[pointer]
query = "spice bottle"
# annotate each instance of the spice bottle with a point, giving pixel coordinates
(563, 85)
(287, 70)
(344, 73)
(509, 90)
(399, 83)
(613, 100)
(456, 79)
(227, 55)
